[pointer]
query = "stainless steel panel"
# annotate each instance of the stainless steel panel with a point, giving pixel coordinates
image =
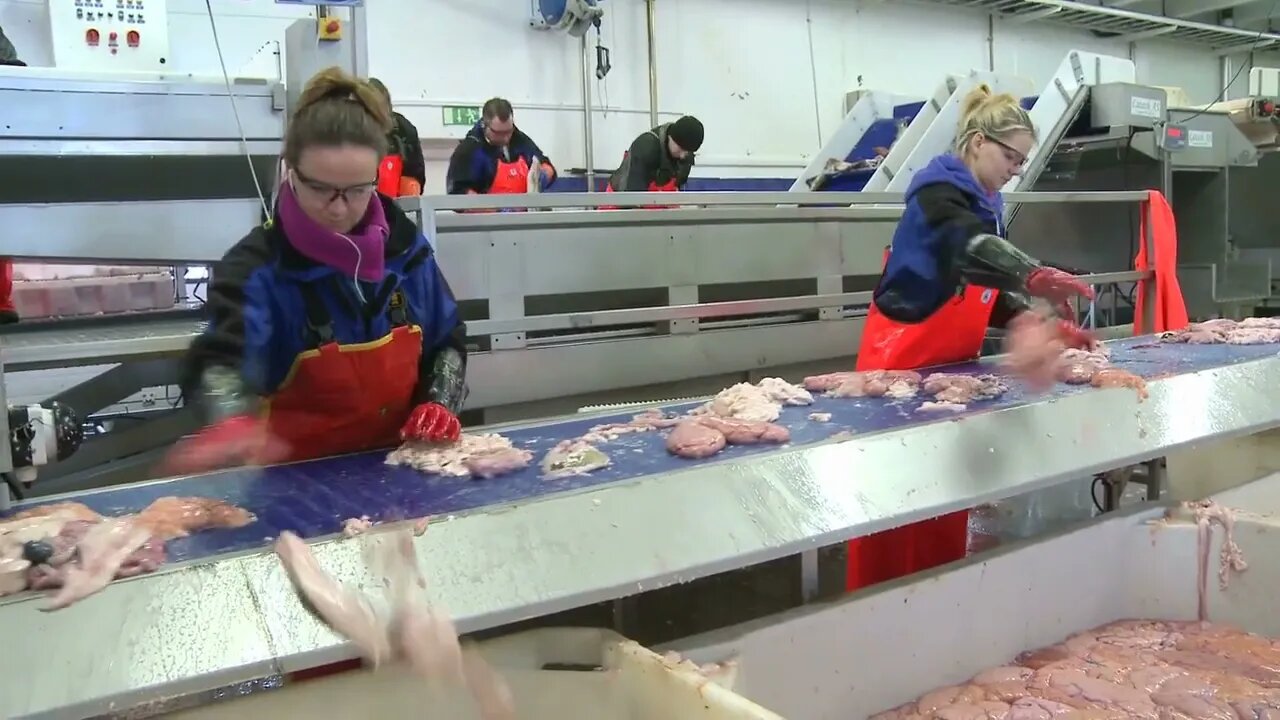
(1127, 105)
(1223, 143)
(145, 111)
(196, 627)
(91, 345)
(133, 638)
(538, 373)
(785, 199)
(141, 232)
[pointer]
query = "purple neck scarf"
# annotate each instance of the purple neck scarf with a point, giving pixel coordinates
(359, 254)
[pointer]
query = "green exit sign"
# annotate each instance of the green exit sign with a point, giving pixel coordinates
(461, 115)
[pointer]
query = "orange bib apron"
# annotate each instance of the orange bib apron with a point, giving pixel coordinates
(340, 399)
(952, 334)
(668, 186)
(511, 178)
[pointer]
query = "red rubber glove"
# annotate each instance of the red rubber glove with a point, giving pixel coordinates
(240, 440)
(1056, 286)
(431, 422)
(1074, 336)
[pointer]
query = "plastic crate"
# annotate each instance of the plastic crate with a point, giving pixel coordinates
(612, 678)
(93, 295)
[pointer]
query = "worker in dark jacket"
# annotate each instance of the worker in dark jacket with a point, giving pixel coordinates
(331, 329)
(496, 158)
(659, 160)
(406, 175)
(949, 275)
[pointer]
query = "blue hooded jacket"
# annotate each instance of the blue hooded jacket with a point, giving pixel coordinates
(945, 208)
(260, 316)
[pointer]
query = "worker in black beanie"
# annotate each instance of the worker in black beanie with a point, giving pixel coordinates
(660, 159)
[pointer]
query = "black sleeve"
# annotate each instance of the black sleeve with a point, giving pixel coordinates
(415, 166)
(1008, 306)
(683, 168)
(232, 296)
(460, 177)
(531, 147)
(947, 212)
(643, 160)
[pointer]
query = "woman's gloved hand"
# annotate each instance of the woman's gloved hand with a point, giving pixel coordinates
(1056, 286)
(235, 441)
(431, 422)
(1074, 336)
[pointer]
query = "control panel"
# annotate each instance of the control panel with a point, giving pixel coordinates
(1174, 137)
(110, 35)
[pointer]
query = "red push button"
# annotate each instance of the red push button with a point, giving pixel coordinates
(92, 37)
(133, 38)
(333, 27)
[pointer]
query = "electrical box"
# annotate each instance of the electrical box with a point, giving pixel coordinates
(1127, 105)
(329, 28)
(1264, 81)
(109, 35)
(1174, 137)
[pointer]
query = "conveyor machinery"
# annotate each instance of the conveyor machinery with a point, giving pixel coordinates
(519, 547)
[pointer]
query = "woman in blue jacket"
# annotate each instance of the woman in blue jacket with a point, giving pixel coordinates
(331, 328)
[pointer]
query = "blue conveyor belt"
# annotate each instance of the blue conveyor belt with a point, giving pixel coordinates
(314, 498)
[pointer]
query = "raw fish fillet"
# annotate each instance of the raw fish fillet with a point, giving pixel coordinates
(691, 439)
(1117, 378)
(746, 432)
(413, 632)
(1250, 331)
(103, 551)
(572, 457)
(479, 455)
(175, 517)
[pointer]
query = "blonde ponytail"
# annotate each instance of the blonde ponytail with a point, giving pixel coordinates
(996, 116)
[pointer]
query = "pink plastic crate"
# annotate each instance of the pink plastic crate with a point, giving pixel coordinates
(102, 295)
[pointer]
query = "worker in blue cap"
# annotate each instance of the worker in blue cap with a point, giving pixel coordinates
(497, 158)
(331, 328)
(949, 275)
(659, 160)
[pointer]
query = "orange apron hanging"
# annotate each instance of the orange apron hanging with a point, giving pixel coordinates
(1171, 309)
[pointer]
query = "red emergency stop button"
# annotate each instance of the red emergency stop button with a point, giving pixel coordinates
(92, 37)
(332, 27)
(1268, 108)
(133, 38)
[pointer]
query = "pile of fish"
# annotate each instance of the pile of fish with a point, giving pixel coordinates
(744, 414)
(1250, 331)
(75, 552)
(950, 391)
(1133, 668)
(1128, 669)
(482, 456)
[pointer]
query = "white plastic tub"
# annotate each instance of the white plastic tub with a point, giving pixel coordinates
(635, 684)
(876, 650)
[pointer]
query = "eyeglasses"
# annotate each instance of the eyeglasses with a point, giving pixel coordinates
(1012, 154)
(500, 134)
(352, 195)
